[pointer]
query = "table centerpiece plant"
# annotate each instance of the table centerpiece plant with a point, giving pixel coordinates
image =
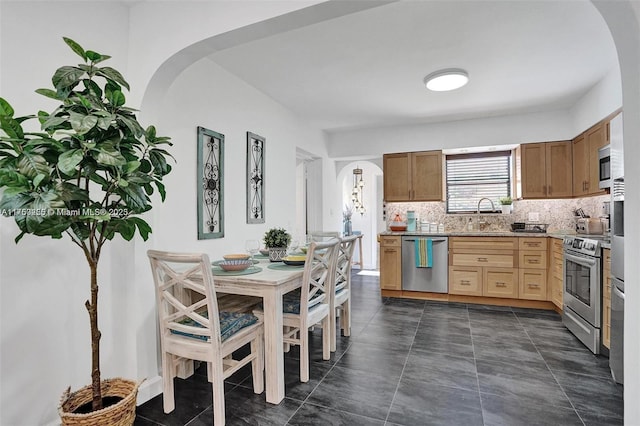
(277, 240)
(86, 175)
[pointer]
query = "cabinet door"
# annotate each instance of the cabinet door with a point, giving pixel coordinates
(465, 281)
(559, 179)
(596, 138)
(390, 268)
(426, 176)
(533, 284)
(580, 154)
(557, 291)
(500, 282)
(396, 176)
(533, 170)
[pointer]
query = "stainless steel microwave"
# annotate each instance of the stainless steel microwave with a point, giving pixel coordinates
(604, 157)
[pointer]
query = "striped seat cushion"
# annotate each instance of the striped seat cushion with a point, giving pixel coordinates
(230, 324)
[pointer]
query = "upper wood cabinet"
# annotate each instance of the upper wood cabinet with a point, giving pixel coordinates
(586, 166)
(546, 170)
(413, 176)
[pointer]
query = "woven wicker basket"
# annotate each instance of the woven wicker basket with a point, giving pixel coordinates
(121, 414)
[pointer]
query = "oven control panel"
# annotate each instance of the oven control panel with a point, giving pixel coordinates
(582, 245)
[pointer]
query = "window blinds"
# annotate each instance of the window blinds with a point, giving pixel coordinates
(471, 177)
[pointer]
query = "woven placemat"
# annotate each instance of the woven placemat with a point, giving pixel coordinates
(216, 270)
(284, 267)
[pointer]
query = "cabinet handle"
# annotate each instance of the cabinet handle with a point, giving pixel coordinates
(534, 261)
(500, 284)
(465, 282)
(483, 259)
(534, 285)
(549, 189)
(544, 189)
(531, 244)
(389, 250)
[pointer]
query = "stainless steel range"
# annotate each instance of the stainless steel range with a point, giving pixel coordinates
(582, 311)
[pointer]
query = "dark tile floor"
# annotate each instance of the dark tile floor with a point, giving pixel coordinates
(423, 363)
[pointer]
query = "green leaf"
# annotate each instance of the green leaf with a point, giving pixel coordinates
(75, 47)
(68, 192)
(10, 202)
(93, 87)
(66, 77)
(134, 197)
(145, 166)
(132, 124)
(158, 161)
(132, 166)
(122, 183)
(105, 122)
(5, 108)
(52, 122)
(82, 123)
(112, 74)
(96, 57)
(116, 98)
(150, 134)
(161, 190)
(68, 161)
(38, 179)
(126, 228)
(49, 94)
(31, 165)
(143, 227)
(11, 127)
(13, 179)
(109, 156)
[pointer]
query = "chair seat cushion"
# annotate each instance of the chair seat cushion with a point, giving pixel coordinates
(291, 302)
(230, 324)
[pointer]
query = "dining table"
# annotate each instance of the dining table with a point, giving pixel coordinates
(270, 281)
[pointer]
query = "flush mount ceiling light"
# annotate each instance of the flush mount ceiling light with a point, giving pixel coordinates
(447, 79)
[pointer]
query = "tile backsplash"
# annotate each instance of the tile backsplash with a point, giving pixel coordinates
(557, 213)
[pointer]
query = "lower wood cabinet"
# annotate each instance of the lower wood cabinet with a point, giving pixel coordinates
(390, 263)
(483, 266)
(556, 272)
(606, 297)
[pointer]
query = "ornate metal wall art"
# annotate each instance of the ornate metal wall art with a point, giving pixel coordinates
(255, 178)
(210, 184)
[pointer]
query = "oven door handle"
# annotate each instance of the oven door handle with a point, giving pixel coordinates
(585, 261)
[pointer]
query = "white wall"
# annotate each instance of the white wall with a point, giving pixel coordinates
(513, 129)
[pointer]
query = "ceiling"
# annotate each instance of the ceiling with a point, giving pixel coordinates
(365, 69)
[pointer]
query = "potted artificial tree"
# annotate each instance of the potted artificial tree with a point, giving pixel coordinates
(277, 240)
(86, 175)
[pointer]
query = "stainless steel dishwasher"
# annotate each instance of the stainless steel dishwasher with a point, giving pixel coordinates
(434, 279)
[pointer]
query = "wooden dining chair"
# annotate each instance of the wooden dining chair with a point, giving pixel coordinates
(192, 327)
(309, 305)
(340, 299)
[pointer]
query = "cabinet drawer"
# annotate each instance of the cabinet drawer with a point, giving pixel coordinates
(466, 281)
(483, 244)
(500, 283)
(532, 284)
(532, 243)
(532, 259)
(390, 241)
(470, 259)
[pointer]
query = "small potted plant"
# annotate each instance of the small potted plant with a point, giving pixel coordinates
(277, 240)
(506, 203)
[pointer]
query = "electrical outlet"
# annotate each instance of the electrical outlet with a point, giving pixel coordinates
(534, 217)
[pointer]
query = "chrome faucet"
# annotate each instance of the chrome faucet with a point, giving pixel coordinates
(493, 208)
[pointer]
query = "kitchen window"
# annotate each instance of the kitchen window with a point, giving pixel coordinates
(471, 177)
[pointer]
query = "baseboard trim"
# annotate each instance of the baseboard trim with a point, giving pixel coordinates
(148, 389)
